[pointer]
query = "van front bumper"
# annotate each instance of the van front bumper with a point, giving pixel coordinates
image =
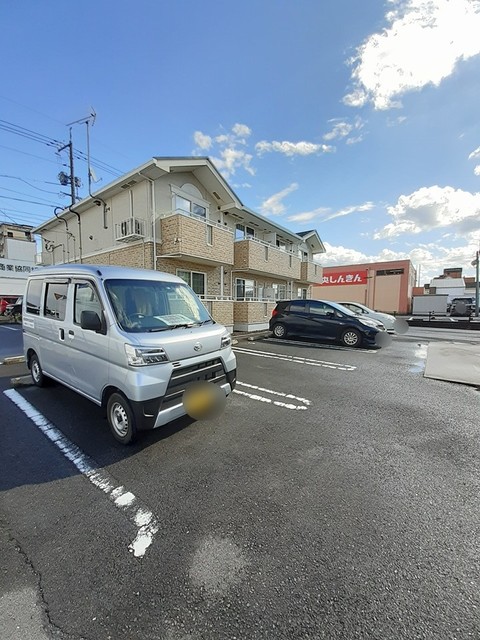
(150, 414)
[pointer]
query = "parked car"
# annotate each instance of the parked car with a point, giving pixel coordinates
(462, 306)
(385, 318)
(323, 319)
(14, 308)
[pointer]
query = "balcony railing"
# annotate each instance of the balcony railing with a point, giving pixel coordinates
(130, 230)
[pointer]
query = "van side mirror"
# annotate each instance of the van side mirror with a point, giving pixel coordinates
(90, 320)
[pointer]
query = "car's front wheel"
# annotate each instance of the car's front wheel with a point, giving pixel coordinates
(280, 330)
(351, 338)
(121, 419)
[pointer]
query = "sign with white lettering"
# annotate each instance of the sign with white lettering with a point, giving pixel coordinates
(344, 277)
(14, 268)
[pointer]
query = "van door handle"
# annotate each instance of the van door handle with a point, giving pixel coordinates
(61, 334)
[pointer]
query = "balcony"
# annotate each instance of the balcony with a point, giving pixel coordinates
(263, 258)
(130, 230)
(311, 272)
(194, 238)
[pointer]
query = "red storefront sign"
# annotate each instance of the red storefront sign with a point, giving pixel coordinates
(336, 278)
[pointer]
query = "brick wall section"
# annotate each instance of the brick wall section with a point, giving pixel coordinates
(187, 236)
(307, 273)
(251, 255)
(222, 312)
(136, 254)
(252, 312)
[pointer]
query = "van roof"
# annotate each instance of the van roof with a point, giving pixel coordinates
(105, 272)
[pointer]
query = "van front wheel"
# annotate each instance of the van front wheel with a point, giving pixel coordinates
(121, 419)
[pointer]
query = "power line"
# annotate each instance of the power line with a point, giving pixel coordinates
(43, 204)
(21, 193)
(31, 155)
(2, 175)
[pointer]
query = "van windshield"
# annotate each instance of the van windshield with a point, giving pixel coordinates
(151, 305)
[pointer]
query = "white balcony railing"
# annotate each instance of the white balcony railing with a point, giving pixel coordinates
(130, 230)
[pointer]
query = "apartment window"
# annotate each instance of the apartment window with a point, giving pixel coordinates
(245, 289)
(266, 254)
(189, 206)
(195, 279)
(9, 234)
(290, 261)
(242, 232)
(209, 234)
(315, 269)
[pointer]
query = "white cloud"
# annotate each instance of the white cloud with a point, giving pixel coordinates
(433, 207)
(475, 154)
(423, 44)
(291, 148)
(367, 206)
(201, 140)
(274, 205)
(476, 171)
(306, 216)
(342, 129)
(232, 159)
(241, 131)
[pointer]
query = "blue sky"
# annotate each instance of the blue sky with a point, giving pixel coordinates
(358, 119)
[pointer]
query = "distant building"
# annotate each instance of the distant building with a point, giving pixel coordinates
(383, 286)
(450, 283)
(17, 258)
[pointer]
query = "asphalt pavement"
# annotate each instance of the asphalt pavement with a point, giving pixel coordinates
(336, 497)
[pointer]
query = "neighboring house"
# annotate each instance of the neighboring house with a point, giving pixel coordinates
(17, 258)
(179, 215)
(450, 283)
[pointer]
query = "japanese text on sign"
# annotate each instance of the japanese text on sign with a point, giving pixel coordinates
(345, 277)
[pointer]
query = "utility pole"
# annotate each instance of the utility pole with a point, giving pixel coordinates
(71, 179)
(477, 285)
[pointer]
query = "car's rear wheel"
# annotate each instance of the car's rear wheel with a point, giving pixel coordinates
(279, 330)
(351, 338)
(121, 419)
(38, 376)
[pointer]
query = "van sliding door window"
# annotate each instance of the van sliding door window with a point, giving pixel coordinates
(56, 300)
(34, 293)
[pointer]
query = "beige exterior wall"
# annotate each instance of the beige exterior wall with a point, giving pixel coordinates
(250, 316)
(250, 255)
(188, 236)
(311, 272)
(386, 294)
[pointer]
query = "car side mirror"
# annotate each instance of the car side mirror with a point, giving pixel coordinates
(90, 320)
(330, 314)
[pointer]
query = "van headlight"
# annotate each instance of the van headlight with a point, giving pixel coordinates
(226, 341)
(143, 356)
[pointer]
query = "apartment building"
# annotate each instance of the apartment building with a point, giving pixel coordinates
(179, 215)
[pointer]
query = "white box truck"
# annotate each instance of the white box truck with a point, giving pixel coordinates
(433, 304)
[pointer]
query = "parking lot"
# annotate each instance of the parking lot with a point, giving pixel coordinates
(336, 497)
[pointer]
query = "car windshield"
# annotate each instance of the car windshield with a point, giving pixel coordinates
(152, 305)
(340, 307)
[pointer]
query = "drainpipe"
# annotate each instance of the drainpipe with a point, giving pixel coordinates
(79, 232)
(153, 203)
(67, 233)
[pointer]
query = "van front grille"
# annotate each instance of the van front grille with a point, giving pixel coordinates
(210, 370)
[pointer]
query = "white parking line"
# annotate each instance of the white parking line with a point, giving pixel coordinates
(297, 359)
(333, 347)
(286, 405)
(140, 516)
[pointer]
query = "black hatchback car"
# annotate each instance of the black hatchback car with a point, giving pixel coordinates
(326, 320)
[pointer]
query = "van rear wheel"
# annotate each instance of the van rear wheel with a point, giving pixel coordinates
(121, 419)
(36, 371)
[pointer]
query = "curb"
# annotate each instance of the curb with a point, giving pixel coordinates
(21, 381)
(14, 360)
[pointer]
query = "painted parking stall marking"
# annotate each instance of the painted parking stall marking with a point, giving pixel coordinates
(137, 513)
(319, 345)
(312, 362)
(253, 394)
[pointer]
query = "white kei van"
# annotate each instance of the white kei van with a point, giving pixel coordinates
(130, 340)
